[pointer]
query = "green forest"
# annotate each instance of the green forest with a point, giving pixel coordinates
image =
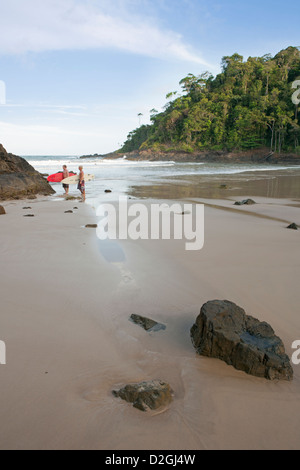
(247, 106)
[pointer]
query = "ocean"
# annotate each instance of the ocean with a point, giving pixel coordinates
(123, 176)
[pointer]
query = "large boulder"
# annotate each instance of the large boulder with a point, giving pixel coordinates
(224, 331)
(18, 179)
(146, 395)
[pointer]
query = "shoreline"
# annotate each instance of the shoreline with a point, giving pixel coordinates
(257, 156)
(66, 304)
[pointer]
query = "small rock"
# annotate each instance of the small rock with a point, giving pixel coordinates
(68, 212)
(224, 331)
(247, 202)
(70, 198)
(29, 215)
(223, 186)
(27, 208)
(184, 213)
(107, 191)
(147, 323)
(146, 395)
(91, 226)
(293, 226)
(75, 208)
(2, 210)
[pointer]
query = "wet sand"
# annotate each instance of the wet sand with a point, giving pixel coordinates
(66, 299)
(269, 184)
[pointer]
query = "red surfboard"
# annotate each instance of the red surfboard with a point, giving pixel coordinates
(58, 177)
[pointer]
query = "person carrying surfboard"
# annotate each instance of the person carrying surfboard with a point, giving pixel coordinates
(81, 184)
(66, 174)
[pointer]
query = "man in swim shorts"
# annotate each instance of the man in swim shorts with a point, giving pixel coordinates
(66, 174)
(81, 184)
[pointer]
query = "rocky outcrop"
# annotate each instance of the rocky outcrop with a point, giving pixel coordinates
(18, 179)
(224, 331)
(261, 155)
(146, 395)
(293, 226)
(147, 323)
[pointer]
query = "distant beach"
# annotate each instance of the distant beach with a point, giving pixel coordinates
(67, 299)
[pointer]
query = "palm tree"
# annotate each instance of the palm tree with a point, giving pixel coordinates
(140, 116)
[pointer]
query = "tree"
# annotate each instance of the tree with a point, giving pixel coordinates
(248, 105)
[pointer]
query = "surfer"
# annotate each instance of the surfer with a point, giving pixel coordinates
(66, 174)
(81, 184)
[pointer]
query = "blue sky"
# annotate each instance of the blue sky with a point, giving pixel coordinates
(78, 72)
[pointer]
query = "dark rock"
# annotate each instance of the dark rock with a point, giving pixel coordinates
(147, 323)
(107, 191)
(223, 186)
(91, 226)
(75, 208)
(68, 212)
(146, 395)
(18, 179)
(224, 331)
(70, 198)
(29, 215)
(2, 210)
(247, 202)
(27, 208)
(293, 226)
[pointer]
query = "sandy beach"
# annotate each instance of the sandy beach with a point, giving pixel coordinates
(66, 299)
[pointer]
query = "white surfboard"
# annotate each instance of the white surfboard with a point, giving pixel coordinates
(75, 179)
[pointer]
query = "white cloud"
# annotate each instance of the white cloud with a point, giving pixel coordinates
(52, 140)
(47, 25)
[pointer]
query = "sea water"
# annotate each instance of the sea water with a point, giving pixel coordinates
(121, 175)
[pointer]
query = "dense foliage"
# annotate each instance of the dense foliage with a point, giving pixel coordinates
(248, 105)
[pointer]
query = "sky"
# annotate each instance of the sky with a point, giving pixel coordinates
(75, 74)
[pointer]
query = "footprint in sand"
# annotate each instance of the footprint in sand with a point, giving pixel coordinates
(127, 279)
(114, 254)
